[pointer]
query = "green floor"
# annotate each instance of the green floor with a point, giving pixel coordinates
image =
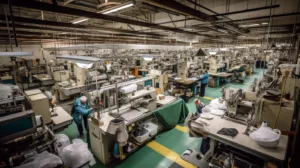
(175, 140)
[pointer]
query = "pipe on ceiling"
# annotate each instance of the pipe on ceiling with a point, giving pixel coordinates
(76, 12)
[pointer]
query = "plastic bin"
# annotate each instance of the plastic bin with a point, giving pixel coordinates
(152, 128)
(141, 135)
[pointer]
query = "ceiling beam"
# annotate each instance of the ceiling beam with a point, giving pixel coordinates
(182, 9)
(67, 2)
(76, 12)
(69, 25)
(74, 31)
(248, 10)
(261, 17)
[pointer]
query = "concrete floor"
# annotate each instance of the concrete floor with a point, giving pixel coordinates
(167, 147)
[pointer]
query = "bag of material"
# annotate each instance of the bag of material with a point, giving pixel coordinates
(62, 141)
(42, 160)
(128, 89)
(77, 154)
(265, 134)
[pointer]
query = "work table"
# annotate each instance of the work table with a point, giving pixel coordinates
(244, 142)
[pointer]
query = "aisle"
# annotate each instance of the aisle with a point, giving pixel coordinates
(165, 150)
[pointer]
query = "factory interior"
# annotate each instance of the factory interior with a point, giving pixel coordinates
(149, 83)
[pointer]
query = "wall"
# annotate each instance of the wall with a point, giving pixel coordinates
(36, 49)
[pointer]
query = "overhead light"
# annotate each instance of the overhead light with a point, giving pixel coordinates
(224, 49)
(212, 52)
(250, 25)
(117, 8)
(79, 20)
(242, 36)
(148, 58)
(63, 33)
(265, 23)
(240, 47)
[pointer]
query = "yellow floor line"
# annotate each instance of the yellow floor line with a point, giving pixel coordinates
(166, 152)
(183, 129)
(208, 98)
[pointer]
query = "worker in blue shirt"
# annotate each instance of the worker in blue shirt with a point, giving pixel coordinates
(205, 145)
(81, 111)
(204, 81)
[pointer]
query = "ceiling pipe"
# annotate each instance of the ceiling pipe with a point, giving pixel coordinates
(238, 29)
(69, 25)
(248, 10)
(261, 17)
(182, 9)
(76, 12)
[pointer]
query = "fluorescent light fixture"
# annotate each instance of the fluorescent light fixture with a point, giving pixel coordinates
(212, 52)
(224, 49)
(250, 25)
(79, 20)
(15, 54)
(242, 36)
(118, 7)
(240, 47)
(148, 58)
(265, 23)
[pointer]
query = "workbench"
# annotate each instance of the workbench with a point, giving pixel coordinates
(102, 143)
(62, 120)
(188, 83)
(244, 142)
(218, 76)
(44, 79)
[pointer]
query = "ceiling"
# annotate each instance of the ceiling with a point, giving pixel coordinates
(149, 21)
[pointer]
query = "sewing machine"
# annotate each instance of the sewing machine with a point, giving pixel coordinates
(182, 70)
(11, 99)
(133, 106)
(238, 107)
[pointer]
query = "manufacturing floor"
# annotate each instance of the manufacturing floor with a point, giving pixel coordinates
(165, 150)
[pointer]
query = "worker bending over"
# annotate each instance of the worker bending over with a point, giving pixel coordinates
(205, 140)
(204, 81)
(81, 111)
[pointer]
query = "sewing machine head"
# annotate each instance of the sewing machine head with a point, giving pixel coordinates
(143, 98)
(236, 103)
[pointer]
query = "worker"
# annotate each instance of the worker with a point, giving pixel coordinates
(198, 105)
(205, 140)
(204, 81)
(81, 110)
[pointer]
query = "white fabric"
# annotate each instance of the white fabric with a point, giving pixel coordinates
(206, 109)
(128, 89)
(216, 107)
(265, 134)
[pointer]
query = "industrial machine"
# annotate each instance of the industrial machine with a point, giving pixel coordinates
(43, 103)
(23, 135)
(11, 99)
(122, 125)
(182, 68)
(237, 107)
